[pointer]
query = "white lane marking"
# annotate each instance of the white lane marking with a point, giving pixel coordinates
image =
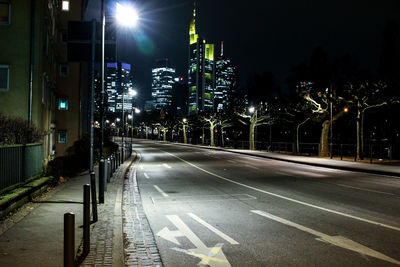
(251, 166)
(295, 173)
(145, 175)
(339, 241)
(213, 256)
(152, 200)
(166, 166)
(212, 228)
(232, 161)
(290, 199)
(364, 189)
(161, 192)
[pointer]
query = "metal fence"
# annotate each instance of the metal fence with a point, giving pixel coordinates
(19, 162)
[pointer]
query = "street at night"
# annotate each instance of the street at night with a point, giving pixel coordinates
(225, 209)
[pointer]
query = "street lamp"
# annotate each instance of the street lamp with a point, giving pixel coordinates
(128, 17)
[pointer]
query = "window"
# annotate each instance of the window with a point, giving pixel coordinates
(4, 77)
(62, 104)
(4, 13)
(64, 70)
(65, 5)
(62, 137)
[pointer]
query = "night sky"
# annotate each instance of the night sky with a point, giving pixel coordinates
(258, 35)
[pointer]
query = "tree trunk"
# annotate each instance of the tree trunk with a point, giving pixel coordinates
(212, 126)
(184, 134)
(202, 135)
(251, 136)
(165, 136)
(362, 134)
(222, 137)
(324, 148)
(358, 125)
(147, 132)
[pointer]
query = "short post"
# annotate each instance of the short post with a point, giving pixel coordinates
(86, 219)
(101, 180)
(94, 195)
(341, 151)
(69, 239)
(390, 153)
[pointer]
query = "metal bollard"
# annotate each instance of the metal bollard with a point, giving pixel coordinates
(86, 219)
(102, 179)
(94, 195)
(69, 239)
(108, 169)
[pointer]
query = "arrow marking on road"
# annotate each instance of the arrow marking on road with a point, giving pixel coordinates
(166, 166)
(212, 228)
(287, 198)
(213, 257)
(339, 241)
(145, 175)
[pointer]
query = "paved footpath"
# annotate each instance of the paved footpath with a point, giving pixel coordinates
(33, 236)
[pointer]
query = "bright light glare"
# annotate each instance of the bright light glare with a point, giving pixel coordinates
(137, 111)
(132, 92)
(129, 116)
(126, 15)
(118, 119)
(251, 109)
(184, 120)
(65, 5)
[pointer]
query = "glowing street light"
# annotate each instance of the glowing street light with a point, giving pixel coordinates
(126, 15)
(252, 109)
(132, 92)
(137, 111)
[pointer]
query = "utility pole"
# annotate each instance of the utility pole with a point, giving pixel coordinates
(91, 156)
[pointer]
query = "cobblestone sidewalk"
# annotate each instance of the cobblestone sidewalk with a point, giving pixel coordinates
(139, 243)
(103, 235)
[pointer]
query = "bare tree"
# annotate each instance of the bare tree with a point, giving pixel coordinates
(257, 118)
(366, 96)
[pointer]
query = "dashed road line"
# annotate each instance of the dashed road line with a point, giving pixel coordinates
(365, 189)
(288, 198)
(159, 190)
(145, 175)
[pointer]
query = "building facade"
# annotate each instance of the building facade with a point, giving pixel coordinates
(161, 88)
(68, 114)
(201, 73)
(226, 81)
(118, 80)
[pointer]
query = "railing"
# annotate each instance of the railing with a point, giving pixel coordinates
(19, 162)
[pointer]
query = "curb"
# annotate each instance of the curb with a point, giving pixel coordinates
(28, 191)
(345, 168)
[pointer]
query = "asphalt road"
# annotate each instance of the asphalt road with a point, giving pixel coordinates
(214, 208)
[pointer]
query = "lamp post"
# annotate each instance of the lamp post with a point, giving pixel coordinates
(128, 17)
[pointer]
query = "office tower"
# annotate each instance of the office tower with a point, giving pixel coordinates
(201, 72)
(118, 80)
(161, 87)
(226, 79)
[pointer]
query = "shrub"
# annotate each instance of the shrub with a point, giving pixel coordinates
(17, 131)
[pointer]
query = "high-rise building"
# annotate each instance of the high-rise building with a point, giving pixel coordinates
(116, 83)
(161, 87)
(226, 79)
(201, 72)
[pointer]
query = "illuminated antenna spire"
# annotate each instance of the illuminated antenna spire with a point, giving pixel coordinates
(194, 8)
(222, 48)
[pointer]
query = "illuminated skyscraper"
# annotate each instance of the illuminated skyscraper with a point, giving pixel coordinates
(114, 103)
(201, 72)
(226, 80)
(161, 87)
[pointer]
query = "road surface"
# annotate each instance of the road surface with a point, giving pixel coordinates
(215, 208)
